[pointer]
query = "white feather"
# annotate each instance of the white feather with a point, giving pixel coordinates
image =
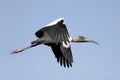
(55, 22)
(66, 45)
(70, 39)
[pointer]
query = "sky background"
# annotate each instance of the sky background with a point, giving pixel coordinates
(96, 19)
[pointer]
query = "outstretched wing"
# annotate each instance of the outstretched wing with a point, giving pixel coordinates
(58, 32)
(63, 55)
(60, 37)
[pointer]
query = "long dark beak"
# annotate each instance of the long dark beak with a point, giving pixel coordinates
(89, 40)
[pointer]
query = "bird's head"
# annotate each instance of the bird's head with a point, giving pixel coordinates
(83, 39)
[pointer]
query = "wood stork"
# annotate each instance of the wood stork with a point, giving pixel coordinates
(56, 35)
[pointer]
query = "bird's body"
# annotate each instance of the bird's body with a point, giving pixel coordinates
(56, 36)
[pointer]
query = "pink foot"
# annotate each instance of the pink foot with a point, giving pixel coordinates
(16, 51)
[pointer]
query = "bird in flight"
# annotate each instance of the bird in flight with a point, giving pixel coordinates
(56, 36)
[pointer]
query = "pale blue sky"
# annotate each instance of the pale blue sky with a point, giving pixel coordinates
(96, 19)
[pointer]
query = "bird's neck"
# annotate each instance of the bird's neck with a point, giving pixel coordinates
(78, 39)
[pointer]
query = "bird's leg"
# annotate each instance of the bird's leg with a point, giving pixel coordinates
(20, 50)
(36, 42)
(33, 44)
